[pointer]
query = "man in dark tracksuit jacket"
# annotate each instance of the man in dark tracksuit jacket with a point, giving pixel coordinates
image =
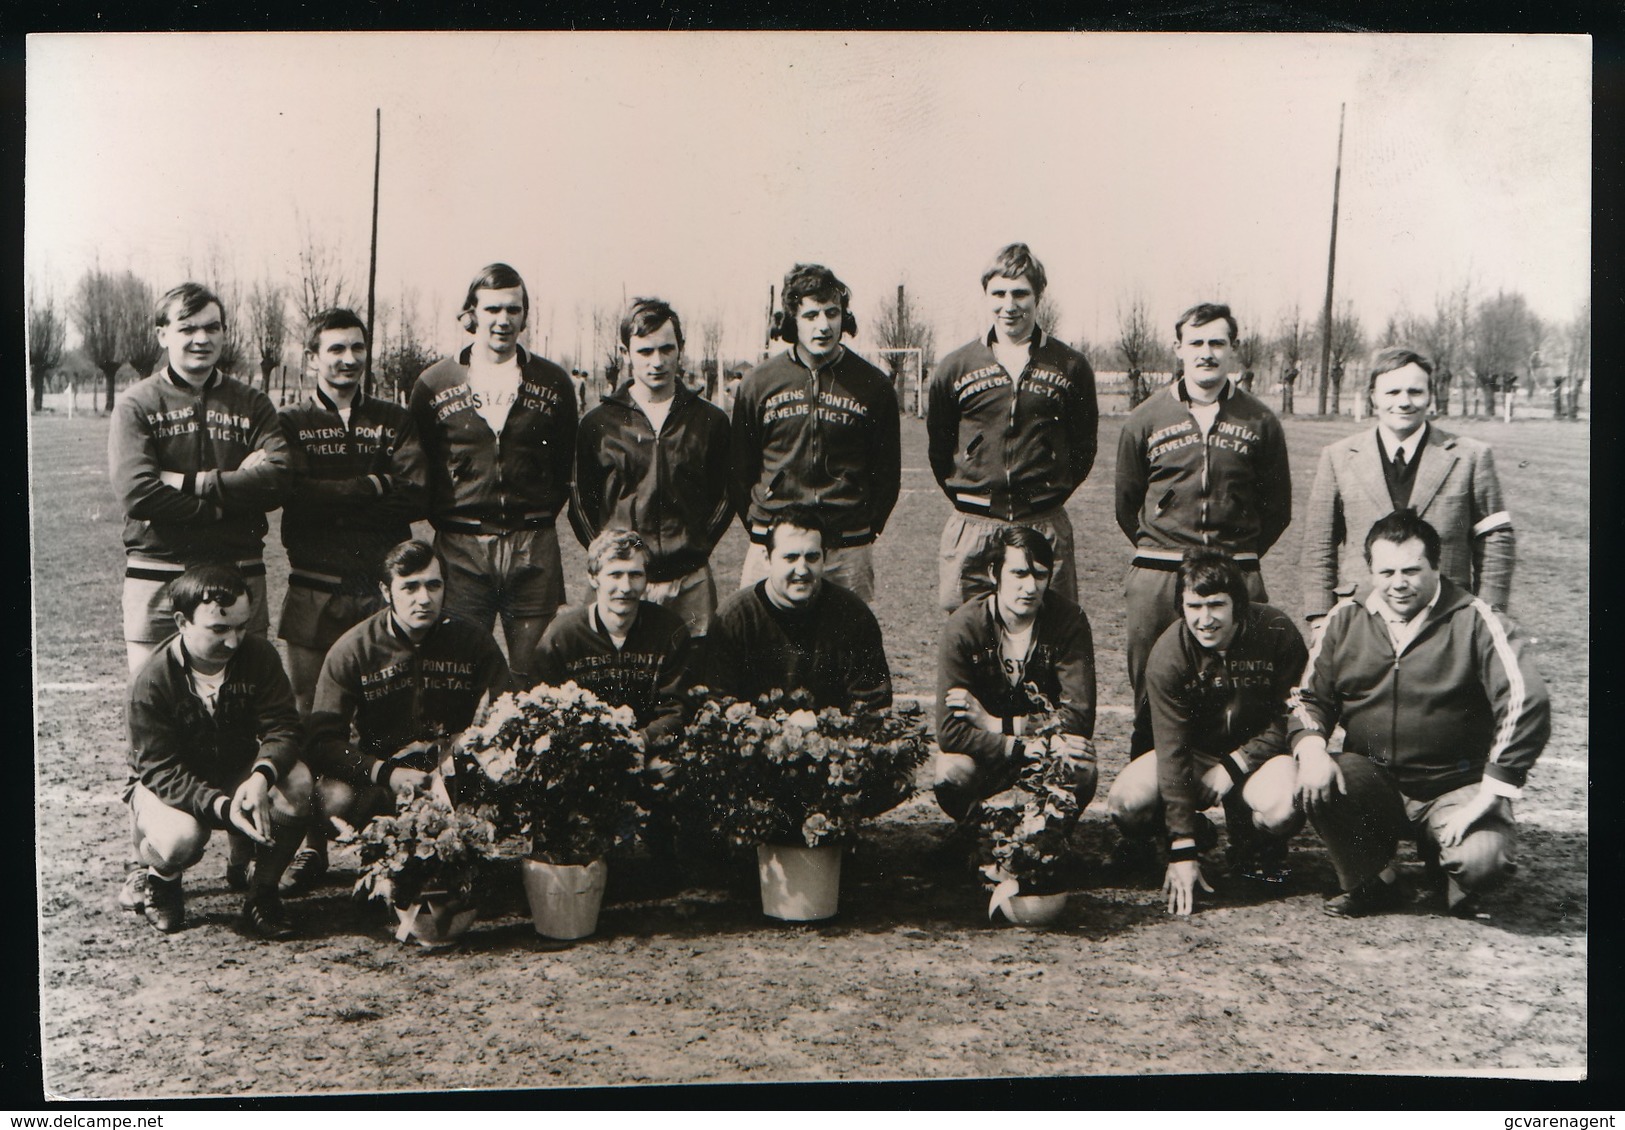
(625, 649)
(357, 484)
(1004, 657)
(654, 457)
(797, 630)
(817, 426)
(498, 426)
(214, 744)
(196, 459)
(1199, 463)
(391, 689)
(1011, 427)
(1444, 714)
(1218, 681)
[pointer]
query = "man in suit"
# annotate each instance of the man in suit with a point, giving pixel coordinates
(1405, 463)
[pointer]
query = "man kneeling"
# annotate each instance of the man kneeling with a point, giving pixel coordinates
(390, 690)
(1218, 681)
(999, 653)
(214, 743)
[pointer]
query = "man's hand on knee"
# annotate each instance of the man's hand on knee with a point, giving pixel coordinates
(956, 769)
(249, 809)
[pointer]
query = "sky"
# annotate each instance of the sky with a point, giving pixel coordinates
(700, 166)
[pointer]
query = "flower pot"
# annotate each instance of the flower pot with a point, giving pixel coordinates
(564, 898)
(1035, 910)
(799, 884)
(434, 923)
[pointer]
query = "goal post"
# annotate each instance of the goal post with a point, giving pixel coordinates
(911, 372)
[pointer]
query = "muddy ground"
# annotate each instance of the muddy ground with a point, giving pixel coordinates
(686, 982)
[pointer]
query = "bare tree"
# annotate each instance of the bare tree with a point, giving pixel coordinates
(710, 352)
(901, 324)
(114, 316)
(47, 341)
(1136, 342)
(1290, 344)
(268, 325)
(1048, 314)
(1348, 342)
(1504, 333)
(1577, 359)
(403, 351)
(322, 284)
(1253, 353)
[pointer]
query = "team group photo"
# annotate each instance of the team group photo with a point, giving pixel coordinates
(724, 585)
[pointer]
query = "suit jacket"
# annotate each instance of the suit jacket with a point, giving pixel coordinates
(1456, 492)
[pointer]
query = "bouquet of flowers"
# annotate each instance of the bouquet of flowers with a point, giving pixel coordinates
(774, 771)
(563, 766)
(1023, 832)
(426, 848)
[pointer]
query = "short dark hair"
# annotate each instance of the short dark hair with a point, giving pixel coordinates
(1203, 313)
(1400, 527)
(645, 316)
(1397, 357)
(615, 544)
(1035, 545)
(1014, 260)
(816, 281)
(192, 297)
(334, 318)
(1209, 571)
(800, 518)
(495, 276)
(410, 556)
(221, 585)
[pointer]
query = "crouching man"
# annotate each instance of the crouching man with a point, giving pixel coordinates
(1218, 681)
(1444, 714)
(999, 653)
(626, 650)
(214, 743)
(391, 689)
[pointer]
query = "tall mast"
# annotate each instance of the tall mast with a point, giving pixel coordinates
(1331, 270)
(372, 256)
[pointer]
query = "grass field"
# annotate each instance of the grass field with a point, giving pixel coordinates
(908, 982)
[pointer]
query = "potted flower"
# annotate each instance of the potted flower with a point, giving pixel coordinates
(425, 861)
(563, 766)
(1024, 832)
(795, 784)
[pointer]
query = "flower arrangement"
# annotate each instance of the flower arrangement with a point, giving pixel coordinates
(1023, 832)
(426, 848)
(776, 772)
(563, 767)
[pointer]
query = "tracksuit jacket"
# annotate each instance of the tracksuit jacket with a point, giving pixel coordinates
(831, 650)
(193, 760)
(1176, 489)
(1012, 451)
(671, 488)
(394, 692)
(354, 491)
(217, 515)
(1231, 706)
(649, 672)
(1461, 703)
(829, 438)
(480, 483)
(1061, 666)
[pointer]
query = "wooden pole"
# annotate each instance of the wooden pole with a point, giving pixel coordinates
(372, 257)
(1331, 271)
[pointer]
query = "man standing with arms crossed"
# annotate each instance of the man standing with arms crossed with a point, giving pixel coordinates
(1199, 463)
(1011, 425)
(197, 459)
(653, 457)
(356, 487)
(817, 426)
(498, 426)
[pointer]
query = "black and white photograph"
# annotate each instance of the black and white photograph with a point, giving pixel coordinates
(630, 559)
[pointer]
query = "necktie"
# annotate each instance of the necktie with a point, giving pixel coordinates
(1399, 459)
